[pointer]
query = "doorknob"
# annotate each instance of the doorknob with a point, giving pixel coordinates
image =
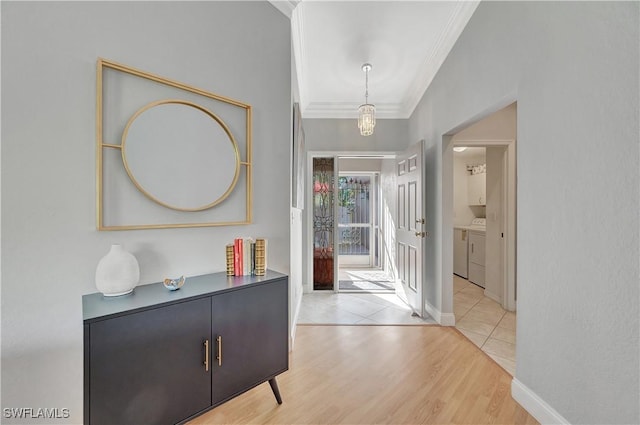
(420, 220)
(421, 234)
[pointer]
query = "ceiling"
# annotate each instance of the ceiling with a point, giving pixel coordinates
(471, 152)
(405, 41)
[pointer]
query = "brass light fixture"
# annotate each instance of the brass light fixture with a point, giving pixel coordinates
(366, 111)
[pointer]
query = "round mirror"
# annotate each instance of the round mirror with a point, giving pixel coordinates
(180, 155)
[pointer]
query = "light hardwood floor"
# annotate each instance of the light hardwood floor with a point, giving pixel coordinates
(380, 375)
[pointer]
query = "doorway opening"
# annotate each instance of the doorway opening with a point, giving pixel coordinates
(352, 229)
(347, 229)
(359, 236)
(481, 166)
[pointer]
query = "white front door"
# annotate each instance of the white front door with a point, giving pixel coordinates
(410, 227)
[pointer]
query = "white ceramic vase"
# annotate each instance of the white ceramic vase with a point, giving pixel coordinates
(117, 272)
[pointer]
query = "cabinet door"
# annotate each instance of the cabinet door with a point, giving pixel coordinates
(460, 237)
(477, 274)
(148, 367)
(476, 248)
(252, 324)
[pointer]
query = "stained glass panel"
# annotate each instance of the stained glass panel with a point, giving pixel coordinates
(323, 200)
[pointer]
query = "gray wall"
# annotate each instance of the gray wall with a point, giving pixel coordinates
(343, 135)
(50, 245)
(573, 69)
(360, 164)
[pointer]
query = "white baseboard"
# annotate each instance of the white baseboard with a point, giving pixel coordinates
(536, 406)
(493, 296)
(447, 319)
(444, 319)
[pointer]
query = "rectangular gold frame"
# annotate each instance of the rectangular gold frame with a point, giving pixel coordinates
(100, 145)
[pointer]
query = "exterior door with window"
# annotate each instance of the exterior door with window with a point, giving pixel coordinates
(410, 227)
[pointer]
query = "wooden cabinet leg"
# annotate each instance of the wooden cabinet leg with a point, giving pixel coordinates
(276, 391)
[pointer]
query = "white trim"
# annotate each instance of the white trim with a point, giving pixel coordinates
(493, 296)
(285, 6)
(447, 319)
(415, 91)
(342, 110)
(443, 319)
(297, 44)
(294, 322)
(536, 406)
(432, 63)
(510, 227)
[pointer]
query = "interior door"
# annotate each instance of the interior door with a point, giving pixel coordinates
(410, 232)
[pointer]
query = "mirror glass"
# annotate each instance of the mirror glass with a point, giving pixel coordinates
(179, 155)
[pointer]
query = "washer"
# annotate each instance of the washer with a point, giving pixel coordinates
(461, 235)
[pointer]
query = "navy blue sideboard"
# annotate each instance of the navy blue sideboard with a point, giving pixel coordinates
(163, 357)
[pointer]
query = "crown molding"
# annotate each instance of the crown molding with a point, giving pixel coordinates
(433, 62)
(416, 90)
(297, 44)
(350, 110)
(285, 6)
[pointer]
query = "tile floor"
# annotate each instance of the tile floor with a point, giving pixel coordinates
(485, 323)
(357, 309)
(364, 279)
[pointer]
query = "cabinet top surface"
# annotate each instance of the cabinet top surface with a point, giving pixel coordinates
(473, 229)
(96, 306)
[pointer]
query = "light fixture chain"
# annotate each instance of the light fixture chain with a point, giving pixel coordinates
(366, 85)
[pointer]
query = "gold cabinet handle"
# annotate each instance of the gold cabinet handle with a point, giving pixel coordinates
(219, 356)
(206, 355)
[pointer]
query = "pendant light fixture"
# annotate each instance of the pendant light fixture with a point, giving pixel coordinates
(366, 111)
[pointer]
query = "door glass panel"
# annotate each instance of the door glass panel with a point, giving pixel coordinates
(323, 200)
